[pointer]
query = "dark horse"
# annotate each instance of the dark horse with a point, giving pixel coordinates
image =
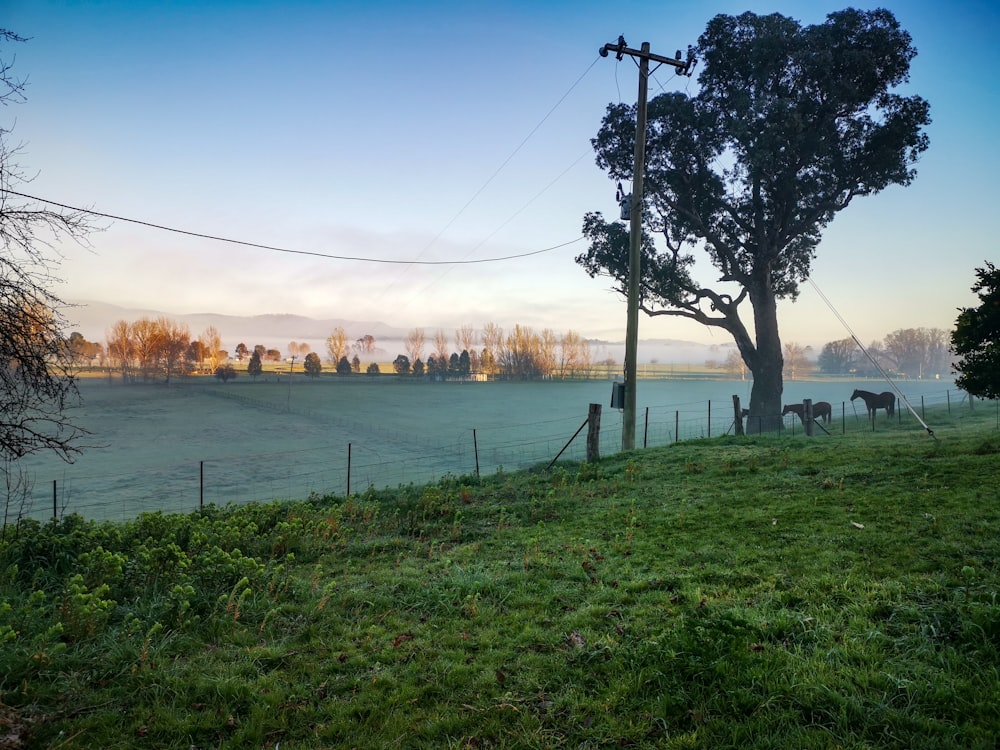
(821, 410)
(873, 401)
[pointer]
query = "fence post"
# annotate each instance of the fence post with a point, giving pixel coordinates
(710, 418)
(475, 448)
(594, 433)
(55, 503)
(923, 413)
(737, 414)
(843, 417)
(348, 470)
(201, 485)
(807, 416)
(645, 431)
(947, 395)
(677, 426)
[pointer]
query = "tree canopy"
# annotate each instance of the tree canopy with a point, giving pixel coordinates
(254, 366)
(312, 365)
(976, 337)
(789, 125)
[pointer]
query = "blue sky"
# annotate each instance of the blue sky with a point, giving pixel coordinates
(442, 131)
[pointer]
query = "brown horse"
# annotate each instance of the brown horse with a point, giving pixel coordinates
(873, 401)
(821, 410)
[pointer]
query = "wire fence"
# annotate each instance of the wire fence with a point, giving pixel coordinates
(372, 455)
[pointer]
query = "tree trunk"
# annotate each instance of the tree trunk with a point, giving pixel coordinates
(766, 365)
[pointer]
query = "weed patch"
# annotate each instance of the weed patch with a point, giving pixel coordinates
(721, 593)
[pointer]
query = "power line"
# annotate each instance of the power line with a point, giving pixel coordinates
(493, 176)
(388, 289)
(313, 253)
(871, 358)
(512, 154)
(494, 232)
(417, 261)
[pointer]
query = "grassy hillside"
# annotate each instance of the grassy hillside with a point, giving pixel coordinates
(728, 593)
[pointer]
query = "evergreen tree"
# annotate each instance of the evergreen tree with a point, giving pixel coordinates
(254, 366)
(312, 365)
(401, 365)
(976, 338)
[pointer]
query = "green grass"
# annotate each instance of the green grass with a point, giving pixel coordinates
(773, 592)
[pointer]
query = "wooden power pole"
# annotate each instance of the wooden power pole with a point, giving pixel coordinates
(635, 219)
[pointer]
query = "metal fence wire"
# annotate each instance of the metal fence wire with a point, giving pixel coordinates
(357, 455)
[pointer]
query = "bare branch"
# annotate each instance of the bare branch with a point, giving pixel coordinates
(36, 385)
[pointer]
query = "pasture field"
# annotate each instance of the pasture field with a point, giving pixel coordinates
(200, 441)
(765, 592)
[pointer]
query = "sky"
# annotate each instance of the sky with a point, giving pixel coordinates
(444, 131)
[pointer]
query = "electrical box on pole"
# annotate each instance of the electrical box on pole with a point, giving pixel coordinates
(624, 203)
(633, 214)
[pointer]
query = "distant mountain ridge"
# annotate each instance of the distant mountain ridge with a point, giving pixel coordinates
(92, 319)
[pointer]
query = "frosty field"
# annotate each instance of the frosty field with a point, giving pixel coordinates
(170, 448)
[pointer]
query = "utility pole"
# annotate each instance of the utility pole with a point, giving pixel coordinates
(635, 219)
(291, 366)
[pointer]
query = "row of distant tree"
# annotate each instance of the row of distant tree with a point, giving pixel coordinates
(907, 352)
(911, 352)
(161, 348)
(520, 353)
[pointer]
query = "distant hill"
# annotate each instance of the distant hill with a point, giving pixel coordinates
(276, 330)
(92, 319)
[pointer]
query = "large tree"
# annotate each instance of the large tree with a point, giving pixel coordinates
(466, 339)
(917, 352)
(82, 351)
(121, 349)
(365, 344)
(401, 365)
(415, 344)
(211, 340)
(573, 352)
(254, 366)
(441, 347)
(789, 125)
(154, 348)
(796, 360)
(312, 365)
(492, 352)
(976, 337)
(175, 338)
(336, 345)
(839, 357)
(36, 384)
